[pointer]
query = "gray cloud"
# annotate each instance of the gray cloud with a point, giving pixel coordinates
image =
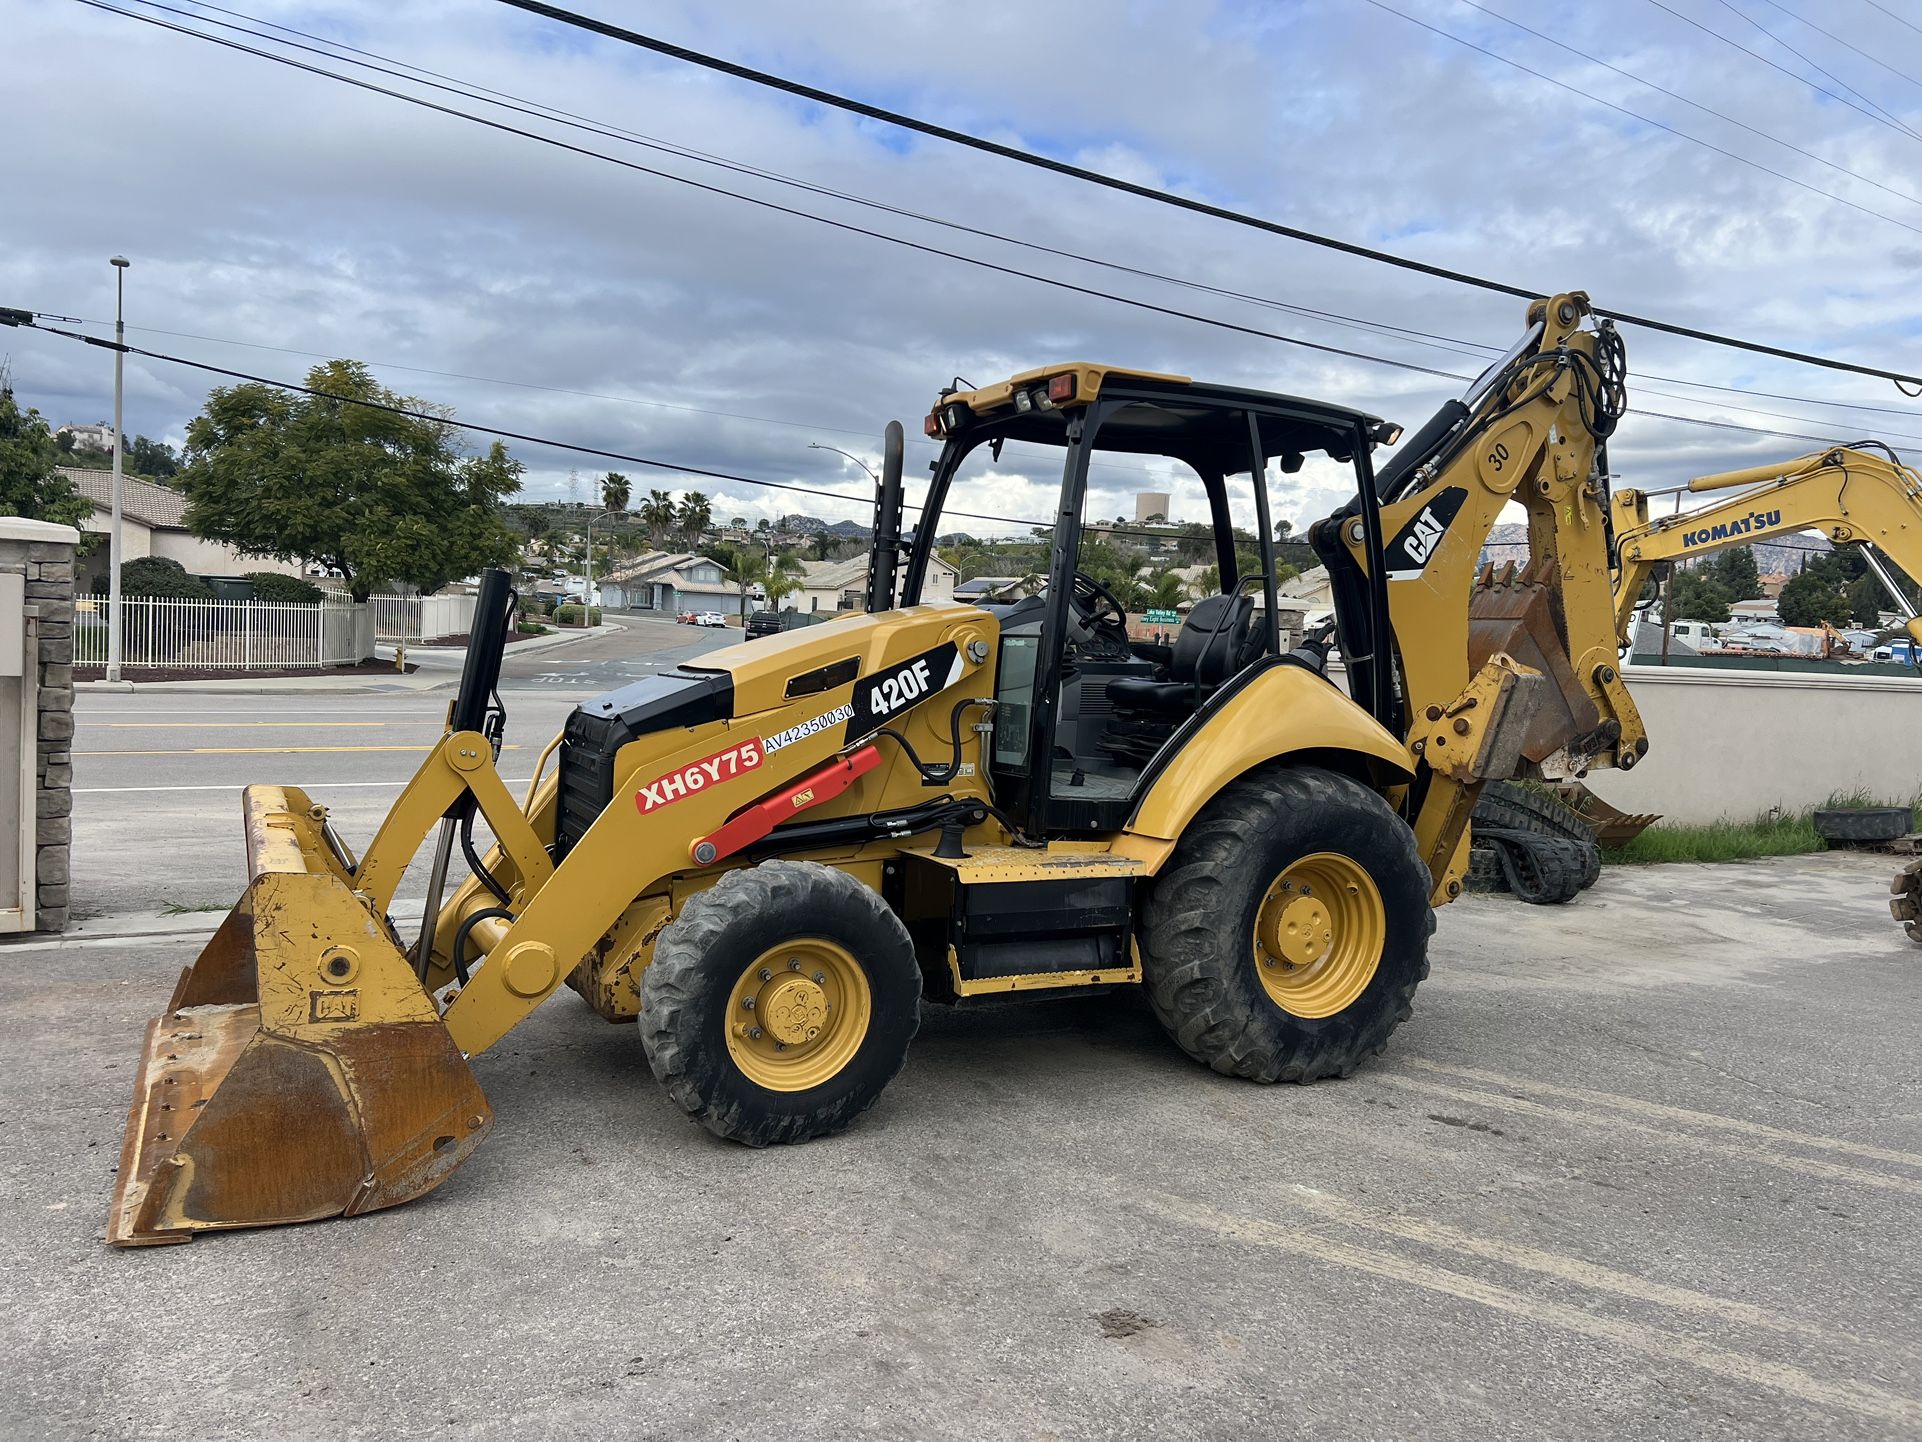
(266, 206)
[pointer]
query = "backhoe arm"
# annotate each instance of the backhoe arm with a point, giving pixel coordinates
(1523, 680)
(1853, 496)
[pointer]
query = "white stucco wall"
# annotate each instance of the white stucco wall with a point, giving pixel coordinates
(1736, 743)
(211, 558)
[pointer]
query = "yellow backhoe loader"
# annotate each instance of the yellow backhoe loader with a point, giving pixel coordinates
(1862, 496)
(773, 856)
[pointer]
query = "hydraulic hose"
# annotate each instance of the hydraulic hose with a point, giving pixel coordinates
(461, 932)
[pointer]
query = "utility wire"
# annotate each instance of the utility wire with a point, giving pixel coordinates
(1165, 197)
(1869, 56)
(842, 225)
(1648, 120)
(1895, 17)
(1828, 75)
(1676, 95)
(468, 90)
(30, 321)
(1455, 344)
(1783, 69)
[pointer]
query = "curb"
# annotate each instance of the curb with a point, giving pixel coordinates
(152, 926)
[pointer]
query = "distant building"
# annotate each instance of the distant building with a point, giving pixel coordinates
(1153, 506)
(669, 582)
(1772, 583)
(830, 586)
(98, 437)
(993, 590)
(152, 523)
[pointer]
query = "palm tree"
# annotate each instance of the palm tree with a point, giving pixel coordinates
(783, 577)
(615, 492)
(1166, 593)
(693, 517)
(743, 566)
(657, 514)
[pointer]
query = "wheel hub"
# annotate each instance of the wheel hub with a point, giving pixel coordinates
(1299, 932)
(1318, 935)
(793, 1009)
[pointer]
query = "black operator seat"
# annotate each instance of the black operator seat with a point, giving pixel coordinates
(1218, 639)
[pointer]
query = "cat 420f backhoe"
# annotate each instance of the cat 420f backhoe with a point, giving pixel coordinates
(1861, 496)
(771, 857)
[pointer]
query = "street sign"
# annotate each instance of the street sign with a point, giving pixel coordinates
(1163, 618)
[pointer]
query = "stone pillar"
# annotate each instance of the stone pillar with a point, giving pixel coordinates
(43, 553)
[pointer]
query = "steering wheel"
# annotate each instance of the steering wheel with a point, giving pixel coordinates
(1100, 613)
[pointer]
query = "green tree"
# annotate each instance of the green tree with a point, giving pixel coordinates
(692, 518)
(152, 459)
(615, 492)
(1812, 597)
(1692, 596)
(1735, 572)
(1867, 600)
(1166, 593)
(30, 481)
(378, 496)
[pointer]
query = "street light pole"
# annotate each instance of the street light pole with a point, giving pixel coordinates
(119, 264)
(587, 596)
(817, 446)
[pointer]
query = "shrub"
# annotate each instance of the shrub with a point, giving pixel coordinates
(569, 614)
(158, 576)
(273, 586)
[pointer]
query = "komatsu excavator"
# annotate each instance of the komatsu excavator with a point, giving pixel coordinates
(772, 857)
(1860, 496)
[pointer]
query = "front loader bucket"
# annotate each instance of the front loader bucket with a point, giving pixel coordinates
(1515, 612)
(300, 1070)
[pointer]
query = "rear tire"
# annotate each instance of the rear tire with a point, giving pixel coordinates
(1199, 940)
(780, 1003)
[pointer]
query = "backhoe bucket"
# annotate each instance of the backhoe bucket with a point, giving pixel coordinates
(300, 1070)
(1515, 612)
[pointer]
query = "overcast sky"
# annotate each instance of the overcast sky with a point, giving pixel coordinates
(263, 207)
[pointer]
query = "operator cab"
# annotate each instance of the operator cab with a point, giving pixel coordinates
(1087, 710)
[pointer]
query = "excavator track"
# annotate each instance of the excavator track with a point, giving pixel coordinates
(1905, 901)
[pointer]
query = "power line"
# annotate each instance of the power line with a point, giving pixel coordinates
(1828, 75)
(32, 323)
(1165, 197)
(1897, 18)
(842, 225)
(1419, 337)
(1730, 41)
(881, 235)
(1676, 95)
(1872, 58)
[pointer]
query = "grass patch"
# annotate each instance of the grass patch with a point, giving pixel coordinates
(1768, 835)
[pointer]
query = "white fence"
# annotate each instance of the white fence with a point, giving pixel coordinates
(220, 635)
(407, 619)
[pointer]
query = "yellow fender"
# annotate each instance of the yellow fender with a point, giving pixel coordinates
(1283, 711)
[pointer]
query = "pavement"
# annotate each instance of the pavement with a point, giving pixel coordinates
(1648, 1166)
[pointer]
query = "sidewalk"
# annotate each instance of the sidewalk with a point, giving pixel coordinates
(437, 668)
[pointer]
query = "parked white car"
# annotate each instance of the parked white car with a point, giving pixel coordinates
(710, 618)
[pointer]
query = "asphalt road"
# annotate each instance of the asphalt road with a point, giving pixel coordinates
(1644, 1167)
(158, 773)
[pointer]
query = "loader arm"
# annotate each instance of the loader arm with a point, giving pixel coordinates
(1853, 496)
(1523, 679)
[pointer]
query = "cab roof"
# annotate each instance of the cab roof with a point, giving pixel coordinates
(1194, 421)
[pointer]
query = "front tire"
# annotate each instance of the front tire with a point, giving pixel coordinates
(1286, 937)
(780, 1003)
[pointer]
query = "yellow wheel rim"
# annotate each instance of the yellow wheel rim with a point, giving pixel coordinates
(1319, 934)
(798, 1015)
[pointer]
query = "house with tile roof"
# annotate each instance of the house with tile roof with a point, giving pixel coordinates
(153, 523)
(669, 582)
(830, 586)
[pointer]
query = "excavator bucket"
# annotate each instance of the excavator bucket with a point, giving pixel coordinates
(1515, 612)
(300, 1070)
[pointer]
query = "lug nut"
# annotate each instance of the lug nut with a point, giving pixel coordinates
(819, 977)
(748, 1002)
(794, 963)
(754, 1034)
(766, 975)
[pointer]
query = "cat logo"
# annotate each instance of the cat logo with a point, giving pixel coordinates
(1414, 544)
